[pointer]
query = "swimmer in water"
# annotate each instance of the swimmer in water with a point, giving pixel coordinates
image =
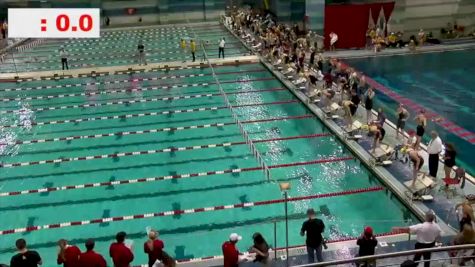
(421, 121)
(417, 162)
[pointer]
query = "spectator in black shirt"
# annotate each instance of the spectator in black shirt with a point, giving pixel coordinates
(314, 228)
(367, 243)
(25, 257)
(312, 57)
(141, 49)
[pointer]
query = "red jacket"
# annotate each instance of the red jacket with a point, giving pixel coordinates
(231, 254)
(91, 259)
(156, 253)
(71, 257)
(121, 255)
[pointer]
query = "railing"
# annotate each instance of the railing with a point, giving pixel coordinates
(397, 254)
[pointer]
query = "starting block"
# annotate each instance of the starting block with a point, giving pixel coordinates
(421, 187)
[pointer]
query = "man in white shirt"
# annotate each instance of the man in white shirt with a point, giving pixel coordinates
(64, 58)
(221, 47)
(427, 234)
(433, 149)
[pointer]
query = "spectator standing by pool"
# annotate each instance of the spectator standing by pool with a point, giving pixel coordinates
(312, 57)
(449, 159)
(25, 257)
(141, 50)
(402, 116)
(434, 148)
(121, 255)
(314, 228)
(193, 49)
(68, 255)
(333, 40)
(230, 252)
(467, 216)
(64, 58)
(261, 248)
(4, 27)
(422, 37)
(465, 237)
(90, 258)
(427, 234)
(167, 260)
(183, 44)
(367, 243)
(222, 43)
(153, 247)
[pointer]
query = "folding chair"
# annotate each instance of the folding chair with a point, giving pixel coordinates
(452, 183)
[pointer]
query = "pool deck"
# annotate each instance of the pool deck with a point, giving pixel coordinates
(101, 71)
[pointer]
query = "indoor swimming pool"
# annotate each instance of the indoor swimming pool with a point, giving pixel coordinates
(88, 157)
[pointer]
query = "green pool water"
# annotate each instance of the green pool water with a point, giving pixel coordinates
(120, 47)
(185, 235)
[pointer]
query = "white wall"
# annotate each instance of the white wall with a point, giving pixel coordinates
(431, 15)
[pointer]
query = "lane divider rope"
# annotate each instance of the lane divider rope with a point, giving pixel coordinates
(87, 65)
(189, 211)
(108, 90)
(170, 177)
(82, 57)
(146, 114)
(154, 151)
(168, 129)
(121, 52)
(142, 100)
(135, 71)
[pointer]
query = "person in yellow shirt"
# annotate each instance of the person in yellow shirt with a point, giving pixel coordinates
(193, 48)
(183, 44)
(392, 40)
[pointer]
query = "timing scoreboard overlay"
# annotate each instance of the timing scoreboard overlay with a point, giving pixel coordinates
(54, 22)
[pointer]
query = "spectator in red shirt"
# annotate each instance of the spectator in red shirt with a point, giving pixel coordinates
(121, 255)
(154, 248)
(230, 252)
(90, 258)
(68, 255)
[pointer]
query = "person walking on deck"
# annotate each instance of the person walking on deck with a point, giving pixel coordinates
(222, 43)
